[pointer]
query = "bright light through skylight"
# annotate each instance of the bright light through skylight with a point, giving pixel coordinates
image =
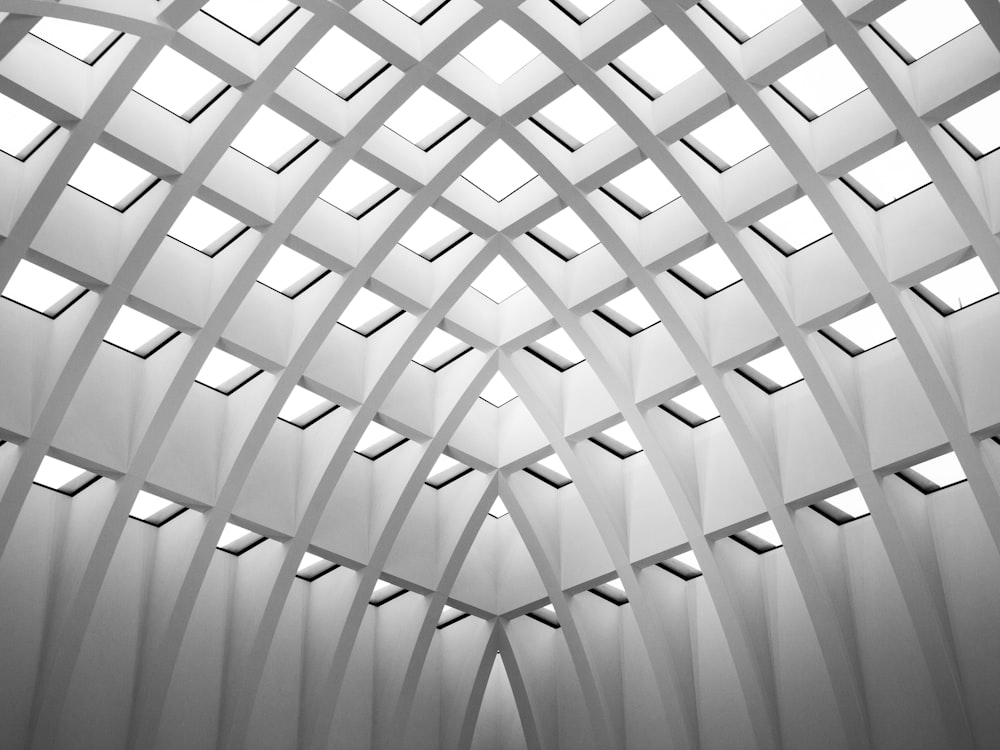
(851, 502)
(643, 188)
(767, 532)
(920, 26)
(865, 329)
(302, 404)
(961, 285)
(109, 178)
(891, 175)
(340, 63)
(438, 349)
(499, 281)
(271, 139)
(431, 233)
(559, 343)
(976, 126)
(178, 84)
(147, 505)
(500, 52)
(941, 471)
(777, 366)
(624, 435)
(365, 307)
(224, 372)
(234, 536)
(554, 463)
(659, 62)
(201, 225)
(424, 118)
(498, 509)
(251, 18)
(289, 272)
(728, 139)
(354, 189)
(498, 391)
(698, 402)
(57, 475)
(375, 437)
(137, 332)
(575, 118)
(569, 231)
(688, 558)
(821, 83)
(631, 308)
(795, 225)
(83, 41)
(499, 171)
(21, 129)
(753, 17)
(40, 289)
(712, 268)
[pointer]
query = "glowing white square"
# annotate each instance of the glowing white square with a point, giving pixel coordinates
(373, 435)
(851, 502)
(81, 40)
(578, 115)
(353, 187)
(147, 505)
(21, 128)
(340, 62)
(823, 82)
(177, 84)
(561, 344)
(866, 328)
(40, 289)
(287, 269)
(499, 171)
(498, 391)
(201, 225)
(624, 435)
(133, 330)
(799, 223)
(248, 17)
(942, 470)
(892, 175)
(661, 60)
(221, 368)
(688, 558)
(568, 229)
(270, 139)
(730, 138)
(554, 463)
(498, 509)
(108, 177)
(500, 52)
(712, 267)
(921, 26)
(56, 474)
(961, 285)
(499, 281)
(646, 185)
(423, 118)
(308, 560)
(443, 463)
(753, 17)
(978, 124)
(435, 345)
(363, 308)
(767, 532)
(232, 535)
(698, 402)
(300, 403)
(591, 7)
(778, 367)
(429, 231)
(633, 307)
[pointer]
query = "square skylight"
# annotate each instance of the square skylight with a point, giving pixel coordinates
(726, 140)
(425, 119)
(550, 470)
(546, 615)
(860, 331)
(440, 348)
(957, 287)
(693, 407)
(314, 566)
(377, 441)
(433, 234)
(844, 507)
(564, 234)
(888, 177)
(743, 19)
(385, 592)
(179, 85)
(935, 474)
(368, 312)
(498, 509)
(137, 333)
(499, 281)
(772, 371)
(449, 616)
(760, 538)
(225, 373)
(272, 140)
(254, 19)
(236, 540)
(291, 273)
(417, 10)
(86, 42)
(22, 130)
(793, 227)
(499, 171)
(153, 509)
(205, 228)
(658, 63)
(445, 471)
(556, 349)
(109, 178)
(581, 10)
(820, 84)
(619, 440)
(642, 189)
(498, 391)
(612, 591)
(500, 52)
(630, 313)
(304, 408)
(357, 190)
(916, 27)
(574, 119)
(975, 126)
(41, 290)
(684, 566)
(707, 272)
(63, 477)
(341, 63)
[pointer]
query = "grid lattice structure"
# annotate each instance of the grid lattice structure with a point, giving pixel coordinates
(503, 375)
